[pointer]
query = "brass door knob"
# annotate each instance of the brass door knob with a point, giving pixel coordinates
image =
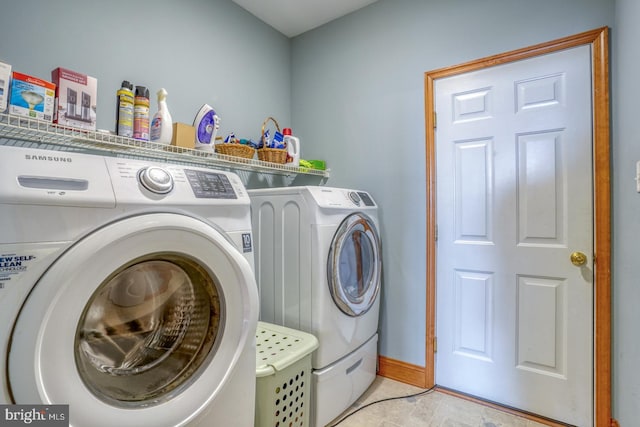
(578, 259)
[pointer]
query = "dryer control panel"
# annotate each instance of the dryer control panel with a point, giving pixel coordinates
(328, 197)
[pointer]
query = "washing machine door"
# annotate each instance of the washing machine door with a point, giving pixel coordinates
(139, 323)
(354, 265)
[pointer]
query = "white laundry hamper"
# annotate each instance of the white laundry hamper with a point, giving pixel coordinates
(283, 376)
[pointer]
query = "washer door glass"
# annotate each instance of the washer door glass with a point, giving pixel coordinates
(354, 265)
(147, 329)
(143, 321)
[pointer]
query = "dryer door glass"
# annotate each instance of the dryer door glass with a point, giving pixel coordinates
(354, 265)
(147, 329)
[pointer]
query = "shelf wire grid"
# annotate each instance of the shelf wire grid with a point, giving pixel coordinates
(32, 133)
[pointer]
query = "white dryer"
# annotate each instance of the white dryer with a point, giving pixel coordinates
(126, 290)
(318, 267)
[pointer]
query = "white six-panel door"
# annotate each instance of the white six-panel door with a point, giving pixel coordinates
(514, 201)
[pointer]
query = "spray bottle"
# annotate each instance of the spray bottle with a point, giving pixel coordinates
(124, 113)
(162, 124)
(141, 114)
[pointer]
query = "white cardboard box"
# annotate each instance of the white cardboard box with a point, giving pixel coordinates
(76, 99)
(5, 79)
(31, 97)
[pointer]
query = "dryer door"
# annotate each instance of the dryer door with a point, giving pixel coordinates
(139, 323)
(354, 265)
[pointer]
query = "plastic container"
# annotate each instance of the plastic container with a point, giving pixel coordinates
(141, 114)
(162, 124)
(283, 376)
(124, 113)
(292, 145)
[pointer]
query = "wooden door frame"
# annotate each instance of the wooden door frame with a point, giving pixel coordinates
(599, 41)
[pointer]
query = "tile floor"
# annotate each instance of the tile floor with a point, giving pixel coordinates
(434, 409)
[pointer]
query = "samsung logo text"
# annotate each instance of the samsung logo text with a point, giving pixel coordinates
(48, 158)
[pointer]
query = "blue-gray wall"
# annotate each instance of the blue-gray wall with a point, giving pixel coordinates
(353, 92)
(358, 101)
(200, 51)
(626, 213)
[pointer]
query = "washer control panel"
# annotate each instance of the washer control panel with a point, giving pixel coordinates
(135, 181)
(210, 185)
(156, 179)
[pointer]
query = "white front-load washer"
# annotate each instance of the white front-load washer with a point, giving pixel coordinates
(318, 268)
(126, 290)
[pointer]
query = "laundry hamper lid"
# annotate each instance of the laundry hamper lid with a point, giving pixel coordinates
(277, 347)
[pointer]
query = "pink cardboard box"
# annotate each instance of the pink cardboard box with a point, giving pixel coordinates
(76, 99)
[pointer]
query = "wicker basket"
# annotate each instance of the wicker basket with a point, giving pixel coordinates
(236, 150)
(273, 155)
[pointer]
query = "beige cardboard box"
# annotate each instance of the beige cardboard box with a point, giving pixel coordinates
(183, 135)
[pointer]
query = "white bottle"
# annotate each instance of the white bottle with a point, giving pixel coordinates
(162, 124)
(293, 148)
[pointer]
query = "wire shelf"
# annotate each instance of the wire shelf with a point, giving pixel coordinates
(27, 132)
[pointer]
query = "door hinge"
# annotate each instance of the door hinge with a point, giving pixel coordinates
(436, 233)
(435, 344)
(435, 120)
